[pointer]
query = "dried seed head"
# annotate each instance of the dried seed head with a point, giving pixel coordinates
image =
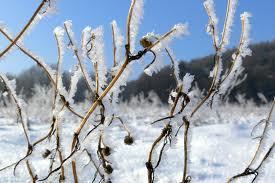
(46, 153)
(106, 151)
(148, 40)
(109, 169)
(145, 43)
(128, 140)
(61, 178)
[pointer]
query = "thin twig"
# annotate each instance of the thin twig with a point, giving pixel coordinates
(34, 177)
(24, 29)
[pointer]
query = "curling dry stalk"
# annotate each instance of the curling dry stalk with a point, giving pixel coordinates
(149, 165)
(263, 135)
(249, 170)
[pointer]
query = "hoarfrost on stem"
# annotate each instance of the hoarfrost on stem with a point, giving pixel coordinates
(136, 17)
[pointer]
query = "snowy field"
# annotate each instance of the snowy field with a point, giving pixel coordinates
(220, 148)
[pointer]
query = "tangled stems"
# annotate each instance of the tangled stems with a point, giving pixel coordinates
(164, 134)
(150, 169)
(129, 58)
(216, 82)
(249, 170)
(96, 103)
(18, 107)
(76, 53)
(42, 66)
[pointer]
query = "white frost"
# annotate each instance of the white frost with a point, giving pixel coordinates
(137, 16)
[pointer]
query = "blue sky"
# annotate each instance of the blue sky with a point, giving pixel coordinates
(159, 16)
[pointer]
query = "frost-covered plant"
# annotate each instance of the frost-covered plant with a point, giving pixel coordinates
(262, 153)
(105, 94)
(221, 85)
(44, 8)
(93, 141)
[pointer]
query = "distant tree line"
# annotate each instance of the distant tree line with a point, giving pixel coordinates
(260, 69)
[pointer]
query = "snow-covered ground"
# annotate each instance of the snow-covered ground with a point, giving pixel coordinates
(218, 151)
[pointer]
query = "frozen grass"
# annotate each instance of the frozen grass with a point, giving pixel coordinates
(219, 149)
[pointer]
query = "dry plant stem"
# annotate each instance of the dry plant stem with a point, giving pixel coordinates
(58, 69)
(161, 38)
(186, 124)
(216, 58)
(237, 53)
(58, 150)
(215, 43)
(255, 172)
(62, 176)
(212, 87)
(248, 170)
(121, 121)
(24, 29)
(173, 63)
(176, 101)
(96, 78)
(129, 19)
(97, 102)
(31, 146)
(262, 137)
(128, 59)
(74, 172)
(225, 23)
(102, 156)
(114, 46)
(264, 159)
(44, 69)
(59, 167)
(149, 166)
(34, 177)
(94, 164)
(28, 54)
(75, 51)
(19, 111)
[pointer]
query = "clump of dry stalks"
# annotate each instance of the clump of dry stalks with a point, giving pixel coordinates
(102, 94)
